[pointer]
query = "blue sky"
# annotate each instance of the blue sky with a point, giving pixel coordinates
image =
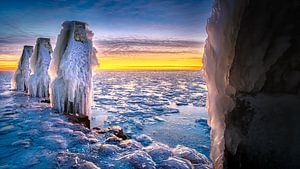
(23, 21)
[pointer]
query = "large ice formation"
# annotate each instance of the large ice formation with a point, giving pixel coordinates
(71, 69)
(21, 76)
(39, 64)
(252, 70)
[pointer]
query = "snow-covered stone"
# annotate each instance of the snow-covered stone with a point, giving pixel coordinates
(39, 63)
(71, 69)
(113, 139)
(175, 163)
(144, 139)
(190, 154)
(130, 144)
(87, 165)
(106, 149)
(158, 151)
(92, 140)
(140, 159)
(21, 76)
(73, 160)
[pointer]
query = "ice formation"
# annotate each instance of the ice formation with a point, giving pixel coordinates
(218, 56)
(250, 60)
(21, 76)
(39, 64)
(71, 69)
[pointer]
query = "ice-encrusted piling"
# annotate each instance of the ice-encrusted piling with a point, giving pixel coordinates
(252, 70)
(21, 76)
(71, 69)
(39, 64)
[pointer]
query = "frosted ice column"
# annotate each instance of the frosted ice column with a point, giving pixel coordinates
(21, 76)
(39, 64)
(71, 69)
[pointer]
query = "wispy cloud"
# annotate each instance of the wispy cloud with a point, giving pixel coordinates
(138, 46)
(13, 44)
(149, 42)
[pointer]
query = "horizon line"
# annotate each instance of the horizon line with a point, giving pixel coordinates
(175, 68)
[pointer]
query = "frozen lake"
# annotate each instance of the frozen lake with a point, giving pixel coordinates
(168, 106)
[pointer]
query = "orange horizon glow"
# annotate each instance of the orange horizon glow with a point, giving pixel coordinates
(8, 62)
(152, 61)
(137, 61)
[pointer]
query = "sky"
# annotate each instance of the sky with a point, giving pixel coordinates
(128, 34)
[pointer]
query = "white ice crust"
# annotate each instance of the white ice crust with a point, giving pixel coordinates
(21, 76)
(222, 29)
(71, 69)
(39, 64)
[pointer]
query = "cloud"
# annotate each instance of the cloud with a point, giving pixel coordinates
(13, 44)
(150, 42)
(8, 40)
(129, 46)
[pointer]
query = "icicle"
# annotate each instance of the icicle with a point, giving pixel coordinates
(39, 64)
(21, 76)
(71, 69)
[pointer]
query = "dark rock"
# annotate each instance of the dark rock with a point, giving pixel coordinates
(83, 120)
(115, 130)
(45, 101)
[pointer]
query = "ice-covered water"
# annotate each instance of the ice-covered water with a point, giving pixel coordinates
(168, 106)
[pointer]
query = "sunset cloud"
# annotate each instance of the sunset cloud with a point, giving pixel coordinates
(136, 46)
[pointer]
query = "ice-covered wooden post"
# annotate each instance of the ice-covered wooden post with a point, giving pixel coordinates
(39, 64)
(21, 76)
(71, 70)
